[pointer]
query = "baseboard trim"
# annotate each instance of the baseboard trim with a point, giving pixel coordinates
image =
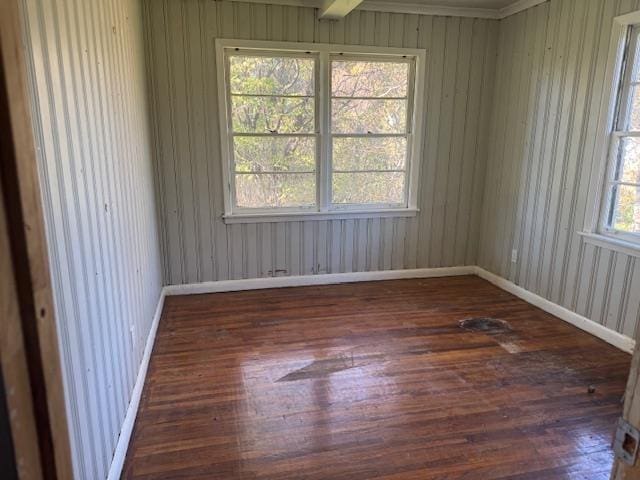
(307, 280)
(120, 453)
(616, 339)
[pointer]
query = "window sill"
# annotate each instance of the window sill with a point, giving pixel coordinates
(618, 245)
(306, 216)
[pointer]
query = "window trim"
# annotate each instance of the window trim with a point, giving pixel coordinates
(323, 53)
(596, 230)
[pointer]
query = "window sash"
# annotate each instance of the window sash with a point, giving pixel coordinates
(232, 135)
(625, 99)
(323, 135)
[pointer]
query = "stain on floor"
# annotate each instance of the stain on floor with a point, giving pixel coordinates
(324, 367)
(485, 325)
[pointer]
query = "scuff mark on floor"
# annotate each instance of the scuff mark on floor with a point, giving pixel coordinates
(510, 347)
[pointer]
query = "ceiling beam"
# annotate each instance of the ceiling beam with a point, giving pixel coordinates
(337, 9)
(518, 7)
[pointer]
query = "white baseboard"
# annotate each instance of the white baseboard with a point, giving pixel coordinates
(120, 453)
(614, 338)
(306, 280)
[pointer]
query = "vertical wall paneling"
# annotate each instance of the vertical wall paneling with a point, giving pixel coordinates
(91, 122)
(549, 87)
(198, 246)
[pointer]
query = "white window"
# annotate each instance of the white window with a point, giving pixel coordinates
(616, 220)
(318, 131)
(622, 194)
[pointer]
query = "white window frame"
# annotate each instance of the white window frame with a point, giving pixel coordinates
(597, 230)
(323, 53)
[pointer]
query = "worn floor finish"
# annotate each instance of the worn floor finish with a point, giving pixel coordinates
(374, 381)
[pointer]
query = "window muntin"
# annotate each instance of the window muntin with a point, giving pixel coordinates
(621, 212)
(334, 137)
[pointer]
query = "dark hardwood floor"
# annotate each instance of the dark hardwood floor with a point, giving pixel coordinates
(374, 381)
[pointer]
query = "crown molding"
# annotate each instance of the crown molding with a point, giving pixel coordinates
(417, 8)
(291, 3)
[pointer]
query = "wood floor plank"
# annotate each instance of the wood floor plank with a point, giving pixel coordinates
(374, 381)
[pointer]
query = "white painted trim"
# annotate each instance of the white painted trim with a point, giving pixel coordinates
(444, 10)
(337, 9)
(291, 3)
(632, 18)
(418, 8)
(518, 7)
(611, 243)
(332, 215)
(614, 338)
(120, 453)
(306, 280)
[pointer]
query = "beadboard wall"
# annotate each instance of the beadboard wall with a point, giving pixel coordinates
(90, 115)
(549, 84)
(197, 246)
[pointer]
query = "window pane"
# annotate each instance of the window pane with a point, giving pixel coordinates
(275, 190)
(632, 120)
(369, 153)
(369, 79)
(368, 116)
(626, 213)
(635, 72)
(365, 187)
(276, 114)
(274, 154)
(629, 167)
(271, 75)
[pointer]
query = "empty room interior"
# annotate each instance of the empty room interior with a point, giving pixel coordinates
(320, 239)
